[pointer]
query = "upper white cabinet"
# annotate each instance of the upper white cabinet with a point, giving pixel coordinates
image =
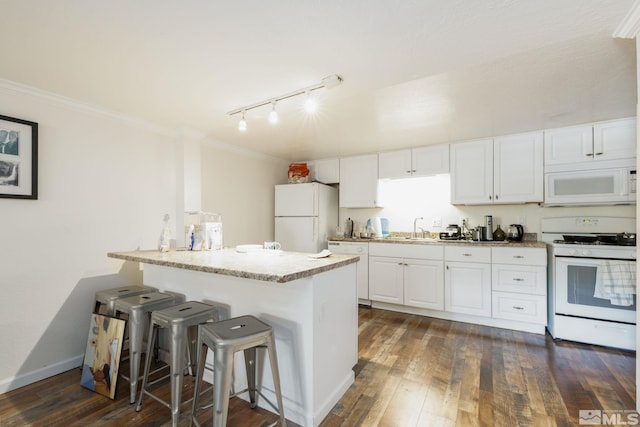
(518, 168)
(423, 161)
(326, 171)
(359, 181)
(472, 172)
(615, 139)
(507, 169)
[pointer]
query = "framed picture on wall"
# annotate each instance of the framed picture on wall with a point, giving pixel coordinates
(18, 158)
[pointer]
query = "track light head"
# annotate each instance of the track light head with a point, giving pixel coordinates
(242, 124)
(273, 115)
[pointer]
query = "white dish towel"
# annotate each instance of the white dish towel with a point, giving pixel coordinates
(616, 281)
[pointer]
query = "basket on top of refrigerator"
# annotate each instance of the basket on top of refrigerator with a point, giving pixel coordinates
(298, 173)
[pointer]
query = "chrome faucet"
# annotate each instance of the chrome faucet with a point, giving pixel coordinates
(415, 230)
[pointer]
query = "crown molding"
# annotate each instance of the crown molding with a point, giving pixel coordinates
(54, 98)
(629, 28)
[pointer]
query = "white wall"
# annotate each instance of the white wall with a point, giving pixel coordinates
(406, 199)
(105, 183)
(240, 186)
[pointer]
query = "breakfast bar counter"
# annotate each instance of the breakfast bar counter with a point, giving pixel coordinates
(310, 303)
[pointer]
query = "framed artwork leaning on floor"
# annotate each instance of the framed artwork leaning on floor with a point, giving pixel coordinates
(18, 158)
(102, 357)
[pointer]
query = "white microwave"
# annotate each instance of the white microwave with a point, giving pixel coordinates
(598, 186)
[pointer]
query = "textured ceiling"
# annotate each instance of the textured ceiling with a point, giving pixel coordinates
(415, 72)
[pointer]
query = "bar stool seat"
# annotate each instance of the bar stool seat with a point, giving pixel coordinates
(224, 338)
(109, 297)
(139, 308)
(181, 320)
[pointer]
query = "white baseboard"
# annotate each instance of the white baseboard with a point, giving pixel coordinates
(27, 378)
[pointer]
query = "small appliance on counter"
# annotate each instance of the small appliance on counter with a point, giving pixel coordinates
(452, 232)
(515, 232)
(379, 226)
(488, 223)
(203, 231)
(348, 228)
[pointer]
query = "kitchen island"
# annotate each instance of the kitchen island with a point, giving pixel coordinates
(311, 304)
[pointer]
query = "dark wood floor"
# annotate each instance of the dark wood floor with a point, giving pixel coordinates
(412, 371)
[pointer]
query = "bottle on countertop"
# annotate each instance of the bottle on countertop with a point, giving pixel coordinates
(165, 236)
(499, 234)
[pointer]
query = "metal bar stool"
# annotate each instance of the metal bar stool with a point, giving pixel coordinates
(225, 338)
(109, 297)
(182, 321)
(139, 308)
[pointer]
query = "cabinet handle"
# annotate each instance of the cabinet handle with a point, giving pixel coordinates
(409, 171)
(447, 267)
(518, 279)
(518, 256)
(518, 307)
(413, 171)
(599, 154)
(496, 197)
(589, 155)
(467, 254)
(489, 197)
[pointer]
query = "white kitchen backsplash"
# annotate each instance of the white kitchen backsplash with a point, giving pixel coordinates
(429, 197)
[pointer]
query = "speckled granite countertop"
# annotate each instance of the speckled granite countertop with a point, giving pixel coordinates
(281, 268)
(407, 241)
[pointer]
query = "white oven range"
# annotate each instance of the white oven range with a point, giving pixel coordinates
(592, 281)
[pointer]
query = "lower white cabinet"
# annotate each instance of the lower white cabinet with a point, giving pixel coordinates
(386, 282)
(490, 285)
(521, 307)
(467, 280)
(519, 283)
(405, 280)
(467, 288)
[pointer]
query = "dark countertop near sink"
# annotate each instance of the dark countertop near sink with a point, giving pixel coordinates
(406, 240)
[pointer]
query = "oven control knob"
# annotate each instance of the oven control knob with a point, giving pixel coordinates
(586, 252)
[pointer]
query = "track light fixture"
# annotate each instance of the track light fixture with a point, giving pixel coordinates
(310, 103)
(242, 124)
(273, 115)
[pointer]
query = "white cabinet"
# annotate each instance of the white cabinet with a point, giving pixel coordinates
(423, 283)
(326, 171)
(410, 275)
(472, 172)
(359, 181)
(610, 140)
(386, 282)
(507, 169)
(519, 283)
(518, 168)
(422, 161)
(468, 280)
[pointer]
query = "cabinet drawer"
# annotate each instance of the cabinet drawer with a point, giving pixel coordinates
(407, 250)
(525, 308)
(466, 253)
(524, 279)
(526, 256)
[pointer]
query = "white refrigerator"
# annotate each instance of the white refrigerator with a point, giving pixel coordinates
(306, 216)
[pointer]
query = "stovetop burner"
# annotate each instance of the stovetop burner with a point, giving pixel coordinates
(596, 242)
(620, 239)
